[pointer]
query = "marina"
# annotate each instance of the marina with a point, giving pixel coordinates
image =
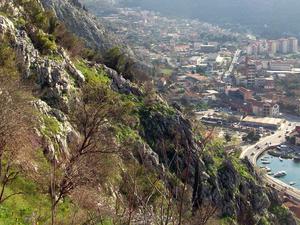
(284, 169)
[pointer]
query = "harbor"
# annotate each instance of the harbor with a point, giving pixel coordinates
(284, 169)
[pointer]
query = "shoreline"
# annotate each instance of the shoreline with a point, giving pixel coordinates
(274, 182)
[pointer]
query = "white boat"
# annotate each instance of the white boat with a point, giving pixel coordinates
(270, 173)
(280, 174)
(292, 183)
(268, 169)
(280, 159)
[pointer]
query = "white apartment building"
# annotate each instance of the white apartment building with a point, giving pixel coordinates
(283, 46)
(280, 66)
(293, 44)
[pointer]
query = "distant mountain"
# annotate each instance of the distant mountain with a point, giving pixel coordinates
(267, 17)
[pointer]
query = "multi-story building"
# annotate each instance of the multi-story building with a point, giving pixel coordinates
(283, 45)
(250, 74)
(293, 45)
(266, 83)
(295, 134)
(280, 66)
(242, 100)
(270, 109)
(264, 108)
(239, 93)
(262, 47)
(272, 47)
(252, 49)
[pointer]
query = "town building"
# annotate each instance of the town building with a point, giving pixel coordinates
(250, 74)
(266, 122)
(280, 66)
(272, 47)
(283, 46)
(242, 100)
(239, 93)
(264, 108)
(295, 136)
(266, 83)
(293, 45)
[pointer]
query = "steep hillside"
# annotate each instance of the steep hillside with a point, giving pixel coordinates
(95, 33)
(82, 23)
(80, 144)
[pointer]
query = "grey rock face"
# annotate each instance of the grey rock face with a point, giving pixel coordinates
(54, 78)
(93, 31)
(239, 197)
(66, 135)
(120, 84)
(6, 25)
(82, 24)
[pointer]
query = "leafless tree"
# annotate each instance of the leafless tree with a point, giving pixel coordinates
(16, 127)
(91, 116)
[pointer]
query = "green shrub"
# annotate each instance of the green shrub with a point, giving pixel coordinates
(8, 61)
(32, 205)
(227, 221)
(281, 213)
(263, 221)
(125, 133)
(44, 42)
(52, 126)
(92, 75)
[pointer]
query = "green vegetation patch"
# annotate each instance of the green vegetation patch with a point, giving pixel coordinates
(125, 133)
(51, 126)
(166, 72)
(227, 221)
(282, 214)
(44, 42)
(241, 168)
(160, 108)
(7, 59)
(264, 221)
(93, 76)
(33, 205)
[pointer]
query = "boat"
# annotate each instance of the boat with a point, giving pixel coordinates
(270, 173)
(268, 169)
(280, 174)
(292, 183)
(265, 162)
(280, 159)
(296, 159)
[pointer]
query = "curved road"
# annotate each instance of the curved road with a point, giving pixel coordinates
(252, 152)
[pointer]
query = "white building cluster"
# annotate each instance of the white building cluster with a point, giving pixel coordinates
(272, 47)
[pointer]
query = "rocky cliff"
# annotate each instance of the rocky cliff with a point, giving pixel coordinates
(157, 169)
(93, 31)
(83, 24)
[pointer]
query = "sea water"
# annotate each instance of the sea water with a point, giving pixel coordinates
(291, 167)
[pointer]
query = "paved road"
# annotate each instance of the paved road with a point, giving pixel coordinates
(252, 152)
